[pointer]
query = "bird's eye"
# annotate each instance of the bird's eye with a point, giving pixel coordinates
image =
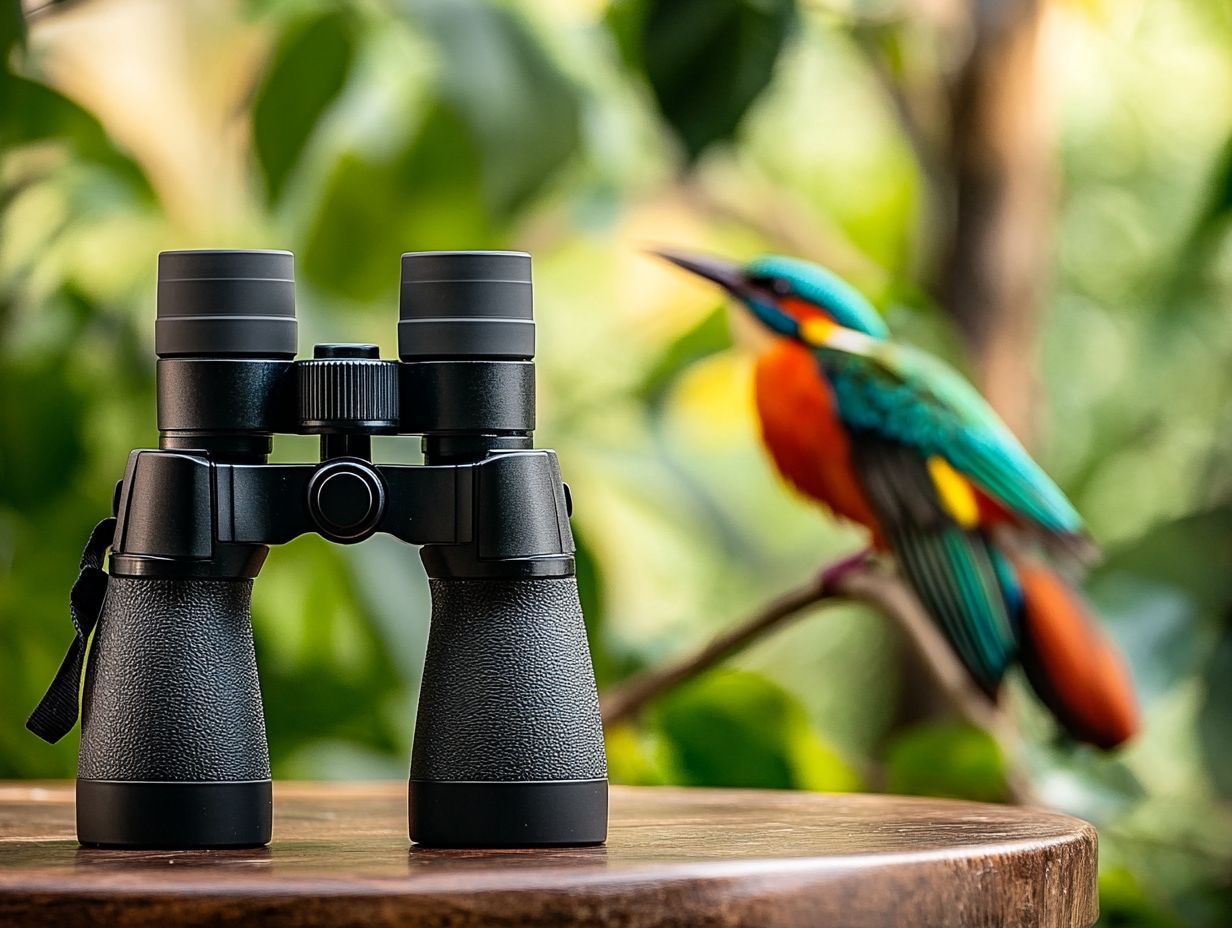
(776, 285)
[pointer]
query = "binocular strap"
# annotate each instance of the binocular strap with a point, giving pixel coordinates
(57, 711)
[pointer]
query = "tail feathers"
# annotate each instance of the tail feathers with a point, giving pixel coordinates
(1072, 665)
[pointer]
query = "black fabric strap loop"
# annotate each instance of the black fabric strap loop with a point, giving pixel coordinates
(56, 713)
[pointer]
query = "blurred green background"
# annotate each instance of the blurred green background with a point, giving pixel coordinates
(1038, 191)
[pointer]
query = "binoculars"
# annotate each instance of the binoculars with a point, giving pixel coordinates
(508, 748)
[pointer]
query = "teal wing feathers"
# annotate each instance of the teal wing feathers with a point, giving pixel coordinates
(956, 573)
(909, 396)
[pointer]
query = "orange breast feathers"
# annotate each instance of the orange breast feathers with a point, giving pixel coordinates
(806, 439)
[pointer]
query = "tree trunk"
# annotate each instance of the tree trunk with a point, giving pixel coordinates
(994, 278)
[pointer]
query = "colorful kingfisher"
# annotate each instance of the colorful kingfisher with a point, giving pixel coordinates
(891, 437)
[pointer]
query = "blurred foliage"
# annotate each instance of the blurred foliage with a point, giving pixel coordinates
(705, 62)
(305, 74)
(707, 337)
(351, 132)
(946, 760)
(734, 728)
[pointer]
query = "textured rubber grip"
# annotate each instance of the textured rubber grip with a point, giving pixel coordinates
(508, 691)
(171, 691)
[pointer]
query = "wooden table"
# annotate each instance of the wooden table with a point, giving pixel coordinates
(675, 857)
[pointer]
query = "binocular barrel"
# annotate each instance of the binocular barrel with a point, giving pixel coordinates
(173, 749)
(508, 747)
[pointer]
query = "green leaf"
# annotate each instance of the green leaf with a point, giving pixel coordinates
(1123, 902)
(308, 70)
(12, 31)
(959, 761)
(626, 21)
(1215, 715)
(1164, 597)
(734, 728)
(708, 336)
(1096, 785)
(1214, 211)
(706, 62)
(425, 197)
(35, 473)
(326, 671)
(593, 601)
(43, 548)
(33, 112)
(521, 109)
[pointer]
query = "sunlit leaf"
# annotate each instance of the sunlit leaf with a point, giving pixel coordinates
(307, 72)
(953, 760)
(712, 402)
(708, 336)
(734, 728)
(706, 62)
(631, 759)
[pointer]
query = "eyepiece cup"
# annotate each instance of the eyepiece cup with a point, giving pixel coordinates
(466, 304)
(226, 304)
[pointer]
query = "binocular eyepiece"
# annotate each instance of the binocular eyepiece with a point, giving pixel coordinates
(241, 304)
(226, 337)
(508, 748)
(466, 304)
(226, 304)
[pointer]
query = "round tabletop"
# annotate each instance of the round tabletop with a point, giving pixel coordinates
(675, 857)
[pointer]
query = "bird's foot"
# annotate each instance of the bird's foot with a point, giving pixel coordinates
(831, 574)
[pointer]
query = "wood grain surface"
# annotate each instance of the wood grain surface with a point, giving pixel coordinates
(675, 857)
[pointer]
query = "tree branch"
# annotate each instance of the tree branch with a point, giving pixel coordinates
(628, 699)
(866, 583)
(49, 8)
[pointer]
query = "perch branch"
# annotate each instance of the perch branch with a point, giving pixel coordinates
(866, 583)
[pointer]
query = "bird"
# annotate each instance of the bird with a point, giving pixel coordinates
(891, 437)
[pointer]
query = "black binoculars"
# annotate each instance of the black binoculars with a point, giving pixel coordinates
(508, 748)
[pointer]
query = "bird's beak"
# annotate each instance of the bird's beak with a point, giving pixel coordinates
(726, 274)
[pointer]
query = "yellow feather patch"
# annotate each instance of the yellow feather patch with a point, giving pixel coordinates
(817, 331)
(955, 492)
